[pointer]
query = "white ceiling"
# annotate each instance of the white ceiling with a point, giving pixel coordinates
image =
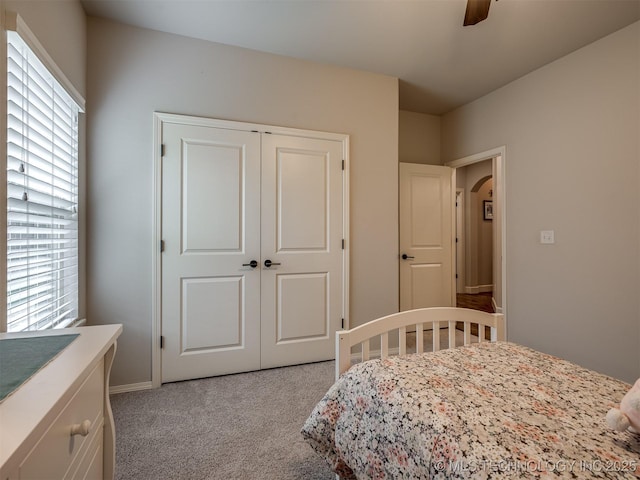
(441, 64)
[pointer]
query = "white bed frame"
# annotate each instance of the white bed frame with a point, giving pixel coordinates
(435, 318)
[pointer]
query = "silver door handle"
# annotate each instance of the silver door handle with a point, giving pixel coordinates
(405, 256)
(268, 263)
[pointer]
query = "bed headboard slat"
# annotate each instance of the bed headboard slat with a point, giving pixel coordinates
(452, 334)
(384, 345)
(365, 350)
(436, 336)
(467, 332)
(424, 318)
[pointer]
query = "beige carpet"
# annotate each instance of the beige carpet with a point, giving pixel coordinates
(244, 426)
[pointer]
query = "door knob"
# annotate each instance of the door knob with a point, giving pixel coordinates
(268, 263)
(252, 264)
(405, 256)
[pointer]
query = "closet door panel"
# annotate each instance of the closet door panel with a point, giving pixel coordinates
(211, 227)
(302, 201)
(302, 237)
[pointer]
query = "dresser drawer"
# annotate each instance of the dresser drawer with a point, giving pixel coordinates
(89, 465)
(54, 453)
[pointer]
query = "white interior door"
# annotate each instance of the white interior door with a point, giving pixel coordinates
(210, 228)
(302, 232)
(426, 236)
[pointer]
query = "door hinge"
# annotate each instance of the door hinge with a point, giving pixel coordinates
(162, 149)
(342, 164)
(161, 341)
(162, 245)
(342, 323)
(456, 239)
(343, 243)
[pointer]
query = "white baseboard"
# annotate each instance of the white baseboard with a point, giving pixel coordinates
(132, 387)
(496, 308)
(478, 289)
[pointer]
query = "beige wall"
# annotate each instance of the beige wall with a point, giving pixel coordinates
(572, 165)
(134, 72)
(419, 138)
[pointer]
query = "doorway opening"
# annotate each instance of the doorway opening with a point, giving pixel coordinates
(480, 206)
(474, 237)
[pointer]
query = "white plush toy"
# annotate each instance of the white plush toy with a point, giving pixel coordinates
(628, 415)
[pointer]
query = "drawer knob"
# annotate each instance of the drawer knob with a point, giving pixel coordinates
(81, 428)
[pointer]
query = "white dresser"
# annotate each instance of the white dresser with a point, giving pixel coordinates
(59, 424)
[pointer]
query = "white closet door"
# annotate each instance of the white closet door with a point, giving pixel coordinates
(210, 227)
(302, 231)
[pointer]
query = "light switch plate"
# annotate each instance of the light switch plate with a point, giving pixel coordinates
(547, 237)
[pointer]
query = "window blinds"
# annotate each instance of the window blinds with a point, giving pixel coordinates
(42, 194)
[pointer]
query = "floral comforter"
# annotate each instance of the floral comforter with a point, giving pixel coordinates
(489, 410)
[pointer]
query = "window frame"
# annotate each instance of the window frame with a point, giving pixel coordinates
(11, 21)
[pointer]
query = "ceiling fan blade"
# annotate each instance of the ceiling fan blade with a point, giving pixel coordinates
(477, 10)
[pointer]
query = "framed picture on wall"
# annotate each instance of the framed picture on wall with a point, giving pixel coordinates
(487, 209)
